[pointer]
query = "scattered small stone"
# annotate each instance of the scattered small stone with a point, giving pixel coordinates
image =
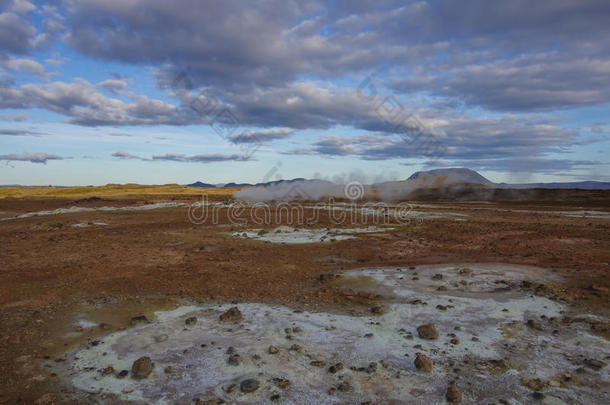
(368, 335)
(344, 387)
(273, 350)
(423, 363)
(535, 384)
(416, 302)
(538, 396)
(595, 364)
(108, 370)
(441, 307)
(232, 315)
(231, 388)
(441, 288)
(282, 382)
(139, 319)
(427, 331)
(296, 348)
(318, 363)
(335, 368)
(532, 323)
(474, 339)
(233, 360)
(168, 369)
(141, 368)
(191, 320)
(437, 277)
(274, 397)
(249, 385)
(123, 374)
(377, 310)
(455, 341)
(454, 395)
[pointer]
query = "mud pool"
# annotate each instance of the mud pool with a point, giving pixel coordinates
(290, 235)
(497, 339)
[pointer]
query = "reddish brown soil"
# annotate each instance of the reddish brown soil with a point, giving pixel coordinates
(151, 259)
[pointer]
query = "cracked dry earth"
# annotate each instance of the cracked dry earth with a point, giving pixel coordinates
(507, 306)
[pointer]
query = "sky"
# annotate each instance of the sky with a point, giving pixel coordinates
(155, 91)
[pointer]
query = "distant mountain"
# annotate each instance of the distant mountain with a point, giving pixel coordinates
(580, 185)
(471, 176)
(200, 184)
(460, 173)
(269, 183)
(276, 182)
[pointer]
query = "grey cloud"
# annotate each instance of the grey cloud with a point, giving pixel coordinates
(30, 157)
(201, 158)
(262, 136)
(126, 156)
(14, 117)
(459, 138)
(19, 132)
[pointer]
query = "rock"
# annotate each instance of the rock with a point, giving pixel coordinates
(296, 348)
(191, 321)
(232, 315)
(274, 397)
(213, 401)
(599, 289)
(123, 374)
(318, 363)
(273, 350)
(595, 364)
(234, 360)
(377, 310)
(141, 368)
(108, 370)
(441, 288)
(455, 341)
(249, 385)
(533, 324)
(139, 319)
(283, 383)
(454, 395)
(335, 368)
(344, 387)
(168, 370)
(423, 363)
(427, 331)
(535, 384)
(437, 277)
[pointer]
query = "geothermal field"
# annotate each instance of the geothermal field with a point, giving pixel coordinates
(138, 296)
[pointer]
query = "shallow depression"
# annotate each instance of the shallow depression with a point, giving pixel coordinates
(491, 340)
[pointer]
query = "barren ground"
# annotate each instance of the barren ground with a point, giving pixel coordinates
(143, 261)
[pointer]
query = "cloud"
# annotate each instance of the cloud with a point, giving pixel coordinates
(262, 136)
(460, 137)
(85, 105)
(18, 32)
(201, 158)
(30, 157)
(24, 65)
(14, 117)
(19, 132)
(126, 155)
